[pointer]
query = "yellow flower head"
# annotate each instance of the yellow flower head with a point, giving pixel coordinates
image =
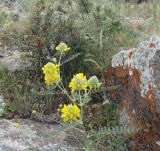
(93, 82)
(70, 113)
(17, 125)
(34, 112)
(79, 82)
(51, 72)
(62, 47)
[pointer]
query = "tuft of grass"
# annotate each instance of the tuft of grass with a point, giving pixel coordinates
(148, 12)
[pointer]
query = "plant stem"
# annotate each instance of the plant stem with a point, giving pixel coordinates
(81, 104)
(64, 91)
(59, 62)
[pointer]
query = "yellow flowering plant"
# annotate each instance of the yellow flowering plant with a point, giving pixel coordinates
(16, 125)
(79, 85)
(70, 113)
(51, 72)
(62, 47)
(79, 82)
(79, 95)
(34, 112)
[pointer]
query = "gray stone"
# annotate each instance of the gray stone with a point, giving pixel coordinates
(17, 6)
(146, 59)
(14, 61)
(32, 136)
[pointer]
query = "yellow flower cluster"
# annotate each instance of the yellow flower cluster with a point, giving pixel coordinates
(62, 47)
(51, 72)
(34, 112)
(16, 125)
(70, 113)
(79, 82)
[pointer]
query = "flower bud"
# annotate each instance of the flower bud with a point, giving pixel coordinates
(93, 82)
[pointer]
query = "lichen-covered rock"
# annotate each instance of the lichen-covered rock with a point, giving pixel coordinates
(32, 136)
(136, 73)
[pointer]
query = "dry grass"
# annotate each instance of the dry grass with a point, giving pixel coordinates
(144, 16)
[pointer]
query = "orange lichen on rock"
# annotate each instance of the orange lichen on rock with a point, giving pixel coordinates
(151, 45)
(148, 136)
(150, 101)
(141, 111)
(119, 71)
(137, 76)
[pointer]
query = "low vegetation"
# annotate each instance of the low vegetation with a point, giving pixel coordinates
(67, 41)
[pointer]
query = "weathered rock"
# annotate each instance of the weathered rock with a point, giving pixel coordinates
(31, 136)
(14, 61)
(17, 7)
(136, 72)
